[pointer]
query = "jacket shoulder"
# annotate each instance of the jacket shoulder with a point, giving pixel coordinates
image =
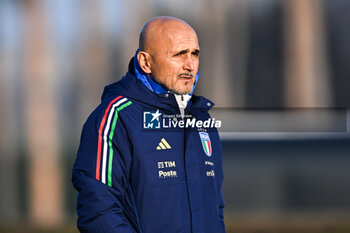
(112, 106)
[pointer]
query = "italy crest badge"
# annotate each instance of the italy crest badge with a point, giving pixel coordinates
(206, 143)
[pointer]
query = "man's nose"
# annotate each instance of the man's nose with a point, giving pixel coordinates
(189, 63)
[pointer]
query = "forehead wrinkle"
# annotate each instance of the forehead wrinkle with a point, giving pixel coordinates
(175, 40)
(184, 44)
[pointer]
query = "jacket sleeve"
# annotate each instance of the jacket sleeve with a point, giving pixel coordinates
(220, 179)
(100, 175)
(221, 212)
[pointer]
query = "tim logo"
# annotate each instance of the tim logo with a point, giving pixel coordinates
(151, 120)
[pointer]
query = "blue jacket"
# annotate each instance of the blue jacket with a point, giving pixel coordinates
(134, 177)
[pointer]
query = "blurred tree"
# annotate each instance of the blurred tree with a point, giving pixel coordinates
(94, 58)
(307, 74)
(45, 197)
(264, 83)
(10, 145)
(338, 35)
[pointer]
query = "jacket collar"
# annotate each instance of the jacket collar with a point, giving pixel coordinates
(133, 88)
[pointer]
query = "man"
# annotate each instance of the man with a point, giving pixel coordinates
(137, 173)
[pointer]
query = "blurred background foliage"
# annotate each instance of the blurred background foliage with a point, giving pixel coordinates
(259, 59)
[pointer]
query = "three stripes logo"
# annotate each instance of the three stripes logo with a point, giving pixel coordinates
(163, 145)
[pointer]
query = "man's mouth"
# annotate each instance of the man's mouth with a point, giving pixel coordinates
(186, 76)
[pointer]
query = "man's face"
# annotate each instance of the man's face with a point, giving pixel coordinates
(175, 59)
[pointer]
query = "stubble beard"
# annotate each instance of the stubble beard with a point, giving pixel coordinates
(174, 89)
(186, 89)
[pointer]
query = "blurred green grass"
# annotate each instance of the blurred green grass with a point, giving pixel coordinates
(295, 224)
(238, 225)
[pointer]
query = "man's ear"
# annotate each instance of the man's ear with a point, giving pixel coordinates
(144, 60)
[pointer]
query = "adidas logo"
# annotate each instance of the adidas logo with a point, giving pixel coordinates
(163, 145)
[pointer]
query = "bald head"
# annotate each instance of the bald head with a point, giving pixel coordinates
(160, 28)
(169, 53)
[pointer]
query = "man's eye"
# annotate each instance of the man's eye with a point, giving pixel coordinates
(179, 54)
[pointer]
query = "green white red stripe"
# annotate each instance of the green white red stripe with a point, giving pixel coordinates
(106, 133)
(99, 146)
(107, 141)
